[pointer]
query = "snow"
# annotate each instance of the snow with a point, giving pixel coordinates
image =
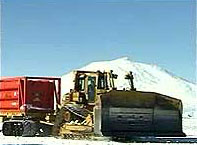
(48, 140)
(189, 127)
(147, 77)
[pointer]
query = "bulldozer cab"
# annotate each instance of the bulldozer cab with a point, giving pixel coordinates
(89, 84)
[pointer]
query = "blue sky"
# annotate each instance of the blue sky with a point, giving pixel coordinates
(51, 37)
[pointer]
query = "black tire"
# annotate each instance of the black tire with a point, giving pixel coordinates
(6, 129)
(12, 128)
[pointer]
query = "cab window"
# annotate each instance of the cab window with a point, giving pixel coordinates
(91, 89)
(101, 82)
(81, 83)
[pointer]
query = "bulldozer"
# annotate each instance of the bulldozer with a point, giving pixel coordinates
(95, 107)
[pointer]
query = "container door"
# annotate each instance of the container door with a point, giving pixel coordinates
(9, 96)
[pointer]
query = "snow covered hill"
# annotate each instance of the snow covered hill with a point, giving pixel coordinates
(147, 77)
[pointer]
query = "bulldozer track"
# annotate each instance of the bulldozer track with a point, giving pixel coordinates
(78, 136)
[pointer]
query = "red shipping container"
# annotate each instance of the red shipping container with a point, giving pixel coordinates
(23, 95)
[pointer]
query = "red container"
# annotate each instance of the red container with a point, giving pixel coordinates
(23, 95)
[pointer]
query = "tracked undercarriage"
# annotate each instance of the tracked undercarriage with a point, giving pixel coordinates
(74, 121)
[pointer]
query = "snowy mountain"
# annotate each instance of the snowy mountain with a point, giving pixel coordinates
(147, 77)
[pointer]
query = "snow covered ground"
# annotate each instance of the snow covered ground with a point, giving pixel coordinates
(189, 127)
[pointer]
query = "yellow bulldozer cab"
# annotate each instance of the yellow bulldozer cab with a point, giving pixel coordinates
(88, 85)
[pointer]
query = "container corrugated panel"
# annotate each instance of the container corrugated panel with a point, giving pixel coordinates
(22, 95)
(9, 95)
